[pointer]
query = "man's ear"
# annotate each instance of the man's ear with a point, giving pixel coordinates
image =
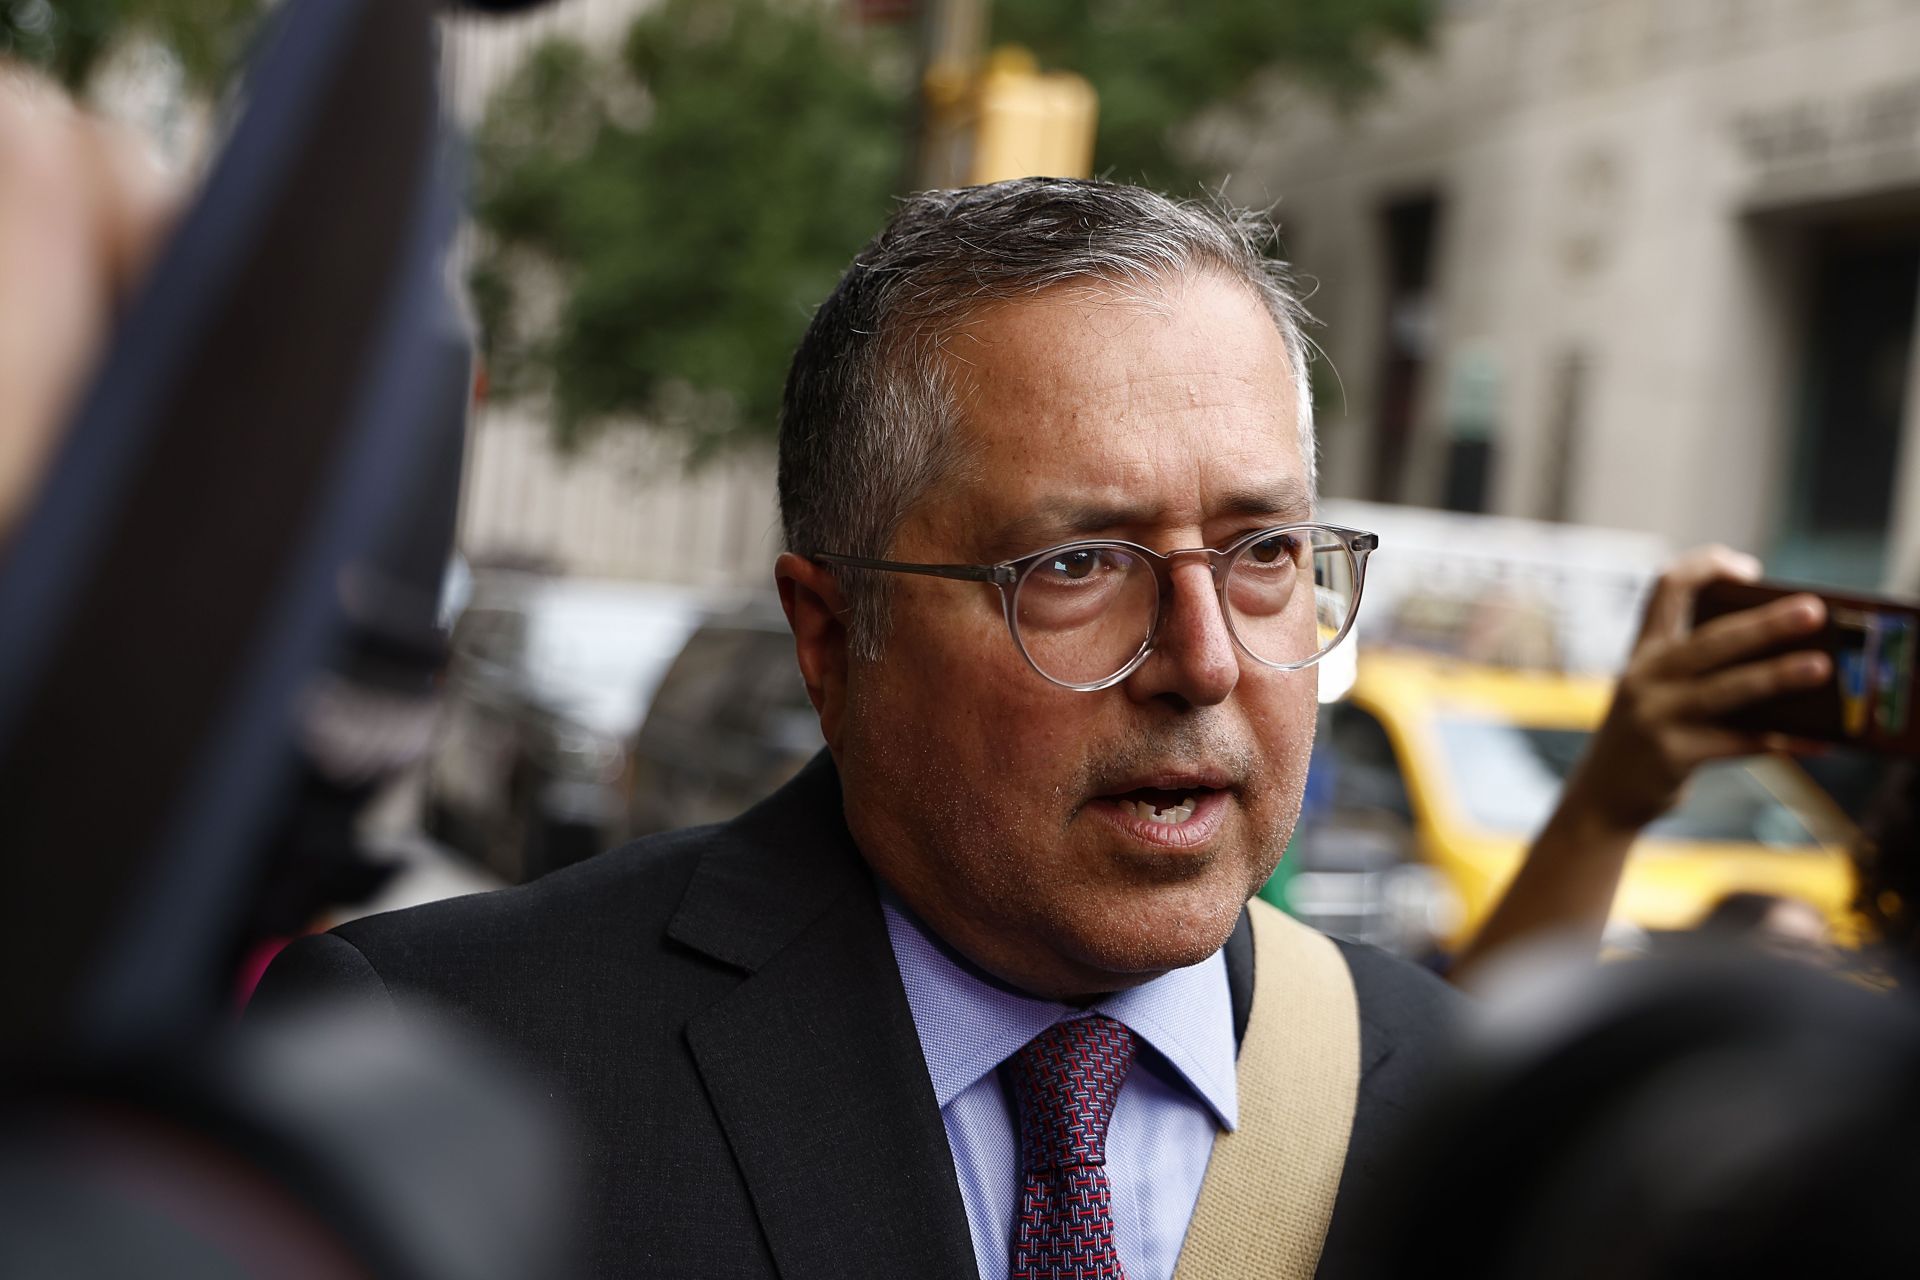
(817, 613)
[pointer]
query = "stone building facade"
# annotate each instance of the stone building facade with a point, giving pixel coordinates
(1645, 264)
(1639, 263)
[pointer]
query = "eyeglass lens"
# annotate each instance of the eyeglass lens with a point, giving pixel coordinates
(1082, 614)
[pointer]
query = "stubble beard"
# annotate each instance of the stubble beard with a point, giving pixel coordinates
(962, 859)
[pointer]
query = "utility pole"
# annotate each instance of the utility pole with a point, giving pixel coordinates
(953, 41)
(984, 117)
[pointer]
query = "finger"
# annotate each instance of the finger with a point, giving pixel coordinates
(1713, 696)
(51, 303)
(1698, 745)
(1704, 743)
(83, 206)
(1739, 635)
(134, 196)
(1670, 607)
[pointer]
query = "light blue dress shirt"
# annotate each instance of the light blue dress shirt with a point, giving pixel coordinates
(1179, 1093)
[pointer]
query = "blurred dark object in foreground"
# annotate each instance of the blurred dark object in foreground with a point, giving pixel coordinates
(328, 1145)
(222, 634)
(1888, 862)
(1851, 776)
(185, 587)
(1658, 1121)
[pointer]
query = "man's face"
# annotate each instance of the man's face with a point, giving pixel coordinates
(995, 802)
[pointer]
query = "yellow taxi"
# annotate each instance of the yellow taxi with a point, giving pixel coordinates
(1432, 775)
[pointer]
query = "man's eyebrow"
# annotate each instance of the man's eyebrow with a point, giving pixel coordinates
(1285, 501)
(1061, 522)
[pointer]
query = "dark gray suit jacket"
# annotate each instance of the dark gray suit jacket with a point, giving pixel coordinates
(721, 1009)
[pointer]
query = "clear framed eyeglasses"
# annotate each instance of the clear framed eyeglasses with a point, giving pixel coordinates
(1086, 614)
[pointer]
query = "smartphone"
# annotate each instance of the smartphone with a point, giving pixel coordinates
(1872, 640)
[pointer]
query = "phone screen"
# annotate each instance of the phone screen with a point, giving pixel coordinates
(1872, 642)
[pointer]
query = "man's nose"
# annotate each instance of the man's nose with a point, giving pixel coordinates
(1194, 660)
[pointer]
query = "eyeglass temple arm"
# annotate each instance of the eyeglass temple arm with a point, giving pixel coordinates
(999, 574)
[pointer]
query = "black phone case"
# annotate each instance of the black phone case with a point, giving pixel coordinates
(1869, 701)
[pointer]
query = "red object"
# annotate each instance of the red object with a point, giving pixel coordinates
(253, 968)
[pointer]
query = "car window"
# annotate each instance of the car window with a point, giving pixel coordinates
(599, 658)
(768, 685)
(1360, 772)
(707, 677)
(1508, 778)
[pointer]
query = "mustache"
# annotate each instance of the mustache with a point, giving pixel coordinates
(1186, 745)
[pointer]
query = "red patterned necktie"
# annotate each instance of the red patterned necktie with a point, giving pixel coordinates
(1064, 1084)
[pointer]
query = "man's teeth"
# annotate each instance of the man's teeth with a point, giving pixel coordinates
(1171, 816)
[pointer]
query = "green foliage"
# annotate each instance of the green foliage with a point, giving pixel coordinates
(70, 38)
(1157, 64)
(662, 219)
(688, 201)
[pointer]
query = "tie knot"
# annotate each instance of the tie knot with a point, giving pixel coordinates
(1065, 1083)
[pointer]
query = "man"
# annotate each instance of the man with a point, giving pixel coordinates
(960, 999)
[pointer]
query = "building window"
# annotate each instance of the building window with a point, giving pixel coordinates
(1409, 228)
(1852, 406)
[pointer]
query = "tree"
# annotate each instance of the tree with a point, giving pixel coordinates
(687, 200)
(1158, 64)
(660, 221)
(70, 38)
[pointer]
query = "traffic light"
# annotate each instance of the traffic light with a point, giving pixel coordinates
(1029, 122)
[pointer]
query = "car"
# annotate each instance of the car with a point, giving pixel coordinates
(730, 722)
(1432, 776)
(549, 679)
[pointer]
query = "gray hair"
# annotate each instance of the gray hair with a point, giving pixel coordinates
(867, 422)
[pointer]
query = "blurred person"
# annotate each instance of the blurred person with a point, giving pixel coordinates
(138, 1135)
(981, 991)
(1766, 914)
(1789, 928)
(1701, 1116)
(1664, 722)
(84, 207)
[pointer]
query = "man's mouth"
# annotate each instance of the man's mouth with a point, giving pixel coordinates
(1177, 811)
(1168, 806)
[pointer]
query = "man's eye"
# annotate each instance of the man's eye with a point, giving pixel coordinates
(1074, 565)
(1282, 546)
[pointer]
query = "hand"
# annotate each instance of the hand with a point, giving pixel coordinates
(1679, 684)
(82, 208)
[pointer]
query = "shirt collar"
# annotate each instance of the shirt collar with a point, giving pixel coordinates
(969, 1025)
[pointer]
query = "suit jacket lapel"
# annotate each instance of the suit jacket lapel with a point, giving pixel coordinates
(1239, 957)
(812, 1062)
